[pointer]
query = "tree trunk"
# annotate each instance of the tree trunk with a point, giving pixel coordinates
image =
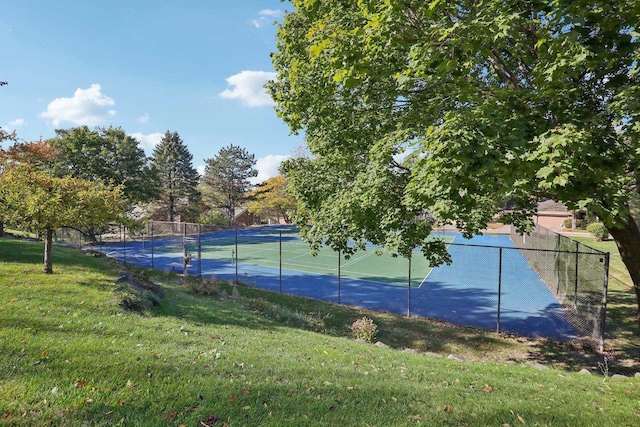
(1, 228)
(627, 237)
(48, 263)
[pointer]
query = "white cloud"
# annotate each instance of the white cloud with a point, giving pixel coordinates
(266, 16)
(87, 107)
(143, 119)
(149, 141)
(248, 87)
(14, 124)
(267, 167)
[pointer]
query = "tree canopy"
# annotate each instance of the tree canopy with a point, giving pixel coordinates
(108, 155)
(417, 112)
(226, 178)
(270, 200)
(178, 179)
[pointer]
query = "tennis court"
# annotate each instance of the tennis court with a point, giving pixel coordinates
(281, 247)
(489, 284)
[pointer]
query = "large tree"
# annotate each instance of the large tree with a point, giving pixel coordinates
(270, 200)
(178, 179)
(226, 178)
(413, 107)
(108, 155)
(33, 198)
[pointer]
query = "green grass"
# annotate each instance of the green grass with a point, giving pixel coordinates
(71, 356)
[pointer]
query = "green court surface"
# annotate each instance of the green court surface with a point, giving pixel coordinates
(266, 250)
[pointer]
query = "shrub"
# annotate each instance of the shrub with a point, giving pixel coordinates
(364, 329)
(213, 217)
(598, 230)
(567, 223)
(209, 286)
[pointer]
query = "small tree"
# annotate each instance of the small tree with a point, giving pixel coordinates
(178, 179)
(35, 199)
(226, 178)
(4, 135)
(271, 200)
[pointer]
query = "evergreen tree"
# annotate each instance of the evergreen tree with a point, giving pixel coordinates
(226, 178)
(178, 179)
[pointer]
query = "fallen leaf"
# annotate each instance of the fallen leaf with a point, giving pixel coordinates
(245, 391)
(448, 409)
(89, 400)
(233, 398)
(13, 300)
(170, 415)
(215, 337)
(79, 384)
(213, 420)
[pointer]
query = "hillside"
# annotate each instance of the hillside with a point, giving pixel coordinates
(71, 355)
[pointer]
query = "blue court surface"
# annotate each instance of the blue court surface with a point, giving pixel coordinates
(469, 292)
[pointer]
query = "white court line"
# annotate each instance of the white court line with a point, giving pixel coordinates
(355, 260)
(429, 272)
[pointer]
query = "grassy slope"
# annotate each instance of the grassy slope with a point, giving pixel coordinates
(71, 356)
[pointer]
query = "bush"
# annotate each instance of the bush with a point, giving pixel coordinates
(213, 217)
(209, 286)
(567, 223)
(598, 230)
(364, 329)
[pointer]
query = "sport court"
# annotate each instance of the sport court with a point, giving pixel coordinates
(467, 292)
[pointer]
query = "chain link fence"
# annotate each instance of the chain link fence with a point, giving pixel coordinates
(541, 285)
(576, 274)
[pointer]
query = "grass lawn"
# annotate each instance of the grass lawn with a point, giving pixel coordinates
(72, 356)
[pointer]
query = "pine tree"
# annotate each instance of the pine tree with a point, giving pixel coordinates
(226, 178)
(177, 177)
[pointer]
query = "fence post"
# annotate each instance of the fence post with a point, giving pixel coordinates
(499, 287)
(200, 250)
(339, 273)
(280, 256)
(603, 313)
(409, 291)
(151, 223)
(123, 230)
(575, 291)
(235, 255)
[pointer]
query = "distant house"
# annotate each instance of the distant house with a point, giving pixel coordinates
(243, 217)
(552, 214)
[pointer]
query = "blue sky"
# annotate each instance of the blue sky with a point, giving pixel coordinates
(195, 67)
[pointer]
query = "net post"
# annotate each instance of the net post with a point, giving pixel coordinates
(499, 288)
(603, 310)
